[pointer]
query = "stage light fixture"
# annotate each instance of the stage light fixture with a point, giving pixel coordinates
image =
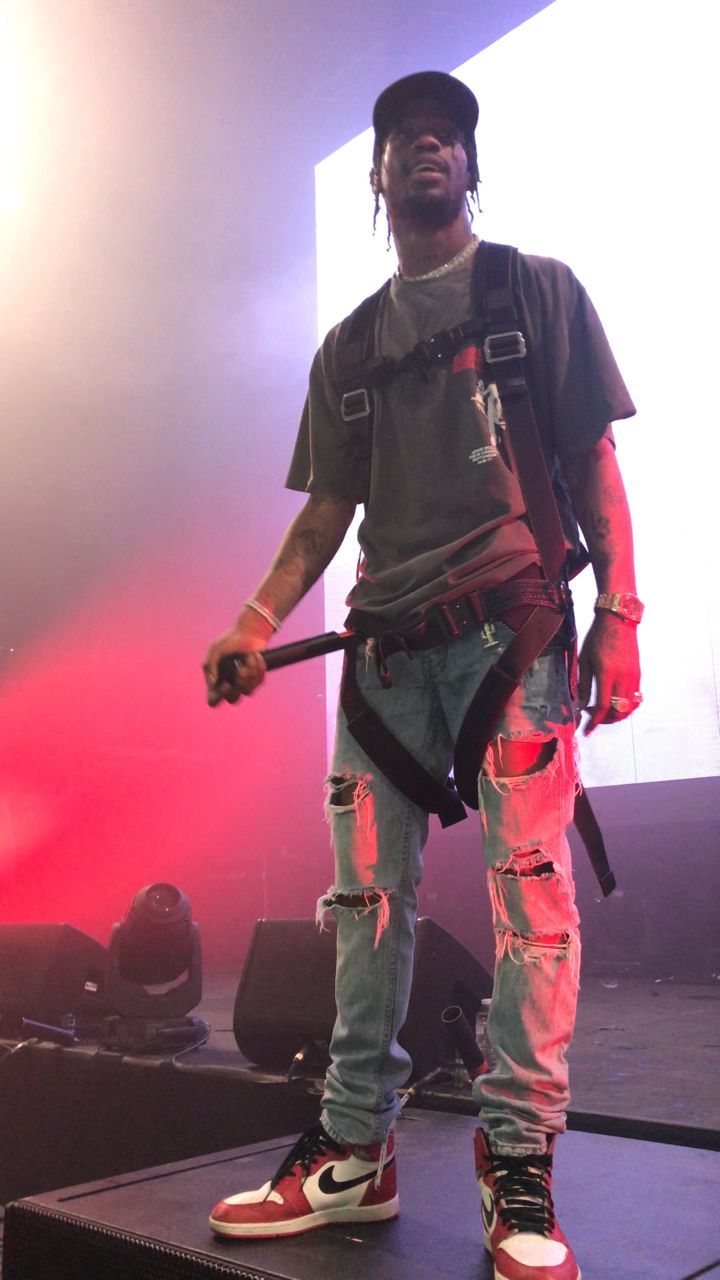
(154, 958)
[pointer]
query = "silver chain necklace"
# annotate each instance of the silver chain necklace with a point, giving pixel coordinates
(457, 261)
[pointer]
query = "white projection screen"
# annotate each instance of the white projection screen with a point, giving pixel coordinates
(597, 144)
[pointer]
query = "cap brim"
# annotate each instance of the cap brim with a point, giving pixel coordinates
(437, 86)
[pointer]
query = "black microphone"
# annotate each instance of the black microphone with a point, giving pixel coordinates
(284, 655)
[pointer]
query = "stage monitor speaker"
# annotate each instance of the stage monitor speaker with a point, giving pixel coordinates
(286, 997)
(48, 971)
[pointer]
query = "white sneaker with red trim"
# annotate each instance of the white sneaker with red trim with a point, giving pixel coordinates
(518, 1215)
(318, 1183)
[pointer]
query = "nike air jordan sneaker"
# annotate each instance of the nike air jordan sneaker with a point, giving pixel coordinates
(518, 1216)
(318, 1183)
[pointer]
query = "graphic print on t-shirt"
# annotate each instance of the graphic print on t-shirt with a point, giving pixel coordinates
(487, 406)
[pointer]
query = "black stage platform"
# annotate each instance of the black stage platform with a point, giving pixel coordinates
(643, 1066)
(633, 1211)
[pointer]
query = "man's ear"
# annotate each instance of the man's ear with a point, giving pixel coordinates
(375, 185)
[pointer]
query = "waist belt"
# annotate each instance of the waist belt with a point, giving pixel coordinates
(485, 711)
(444, 622)
(410, 777)
(453, 618)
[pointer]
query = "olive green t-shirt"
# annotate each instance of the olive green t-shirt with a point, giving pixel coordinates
(445, 512)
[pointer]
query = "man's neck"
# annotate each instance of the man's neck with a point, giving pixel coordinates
(423, 249)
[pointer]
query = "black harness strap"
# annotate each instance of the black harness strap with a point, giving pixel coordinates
(493, 295)
(359, 374)
(384, 749)
(495, 319)
(495, 691)
(504, 348)
(589, 831)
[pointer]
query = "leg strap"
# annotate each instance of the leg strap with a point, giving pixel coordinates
(485, 711)
(388, 753)
(484, 714)
(477, 730)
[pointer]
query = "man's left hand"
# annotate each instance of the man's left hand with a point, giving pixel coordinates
(609, 657)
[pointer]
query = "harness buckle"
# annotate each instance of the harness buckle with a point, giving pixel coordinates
(499, 347)
(436, 350)
(355, 404)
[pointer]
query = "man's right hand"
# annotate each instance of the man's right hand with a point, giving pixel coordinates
(249, 636)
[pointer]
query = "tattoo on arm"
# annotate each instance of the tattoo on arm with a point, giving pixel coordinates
(600, 504)
(302, 556)
(600, 525)
(305, 552)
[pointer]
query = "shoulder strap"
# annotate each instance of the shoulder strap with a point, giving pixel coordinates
(494, 297)
(359, 327)
(356, 355)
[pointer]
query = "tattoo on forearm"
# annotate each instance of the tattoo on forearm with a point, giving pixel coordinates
(600, 505)
(305, 552)
(602, 546)
(598, 525)
(308, 546)
(303, 556)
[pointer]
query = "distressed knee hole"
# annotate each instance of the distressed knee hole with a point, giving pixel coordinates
(541, 949)
(526, 792)
(344, 797)
(361, 903)
(554, 940)
(358, 901)
(536, 869)
(519, 757)
(345, 792)
(533, 905)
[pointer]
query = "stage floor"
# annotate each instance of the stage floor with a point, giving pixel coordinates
(633, 1211)
(643, 1050)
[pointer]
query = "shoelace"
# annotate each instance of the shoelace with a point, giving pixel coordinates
(522, 1192)
(311, 1144)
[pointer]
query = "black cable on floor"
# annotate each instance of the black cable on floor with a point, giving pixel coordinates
(694, 1275)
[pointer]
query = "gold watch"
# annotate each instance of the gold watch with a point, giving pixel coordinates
(623, 603)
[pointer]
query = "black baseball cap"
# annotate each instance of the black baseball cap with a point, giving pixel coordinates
(455, 96)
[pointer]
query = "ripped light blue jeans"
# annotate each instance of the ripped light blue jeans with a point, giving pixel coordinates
(378, 839)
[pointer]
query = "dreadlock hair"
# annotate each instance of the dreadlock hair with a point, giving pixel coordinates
(473, 194)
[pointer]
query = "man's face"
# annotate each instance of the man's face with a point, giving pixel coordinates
(424, 170)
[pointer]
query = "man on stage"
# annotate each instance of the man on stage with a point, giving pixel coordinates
(450, 575)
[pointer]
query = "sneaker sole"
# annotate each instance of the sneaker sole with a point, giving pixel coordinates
(296, 1226)
(499, 1275)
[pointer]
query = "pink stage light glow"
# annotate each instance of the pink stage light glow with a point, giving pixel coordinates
(120, 775)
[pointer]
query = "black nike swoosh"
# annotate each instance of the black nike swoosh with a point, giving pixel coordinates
(488, 1216)
(331, 1187)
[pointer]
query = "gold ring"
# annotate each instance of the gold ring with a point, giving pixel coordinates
(621, 705)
